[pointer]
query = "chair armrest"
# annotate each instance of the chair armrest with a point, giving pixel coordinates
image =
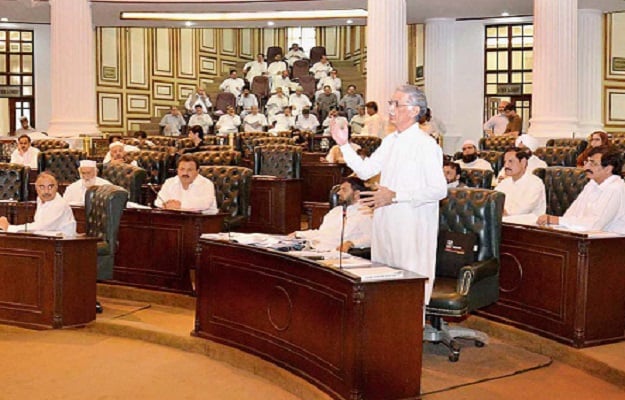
(476, 272)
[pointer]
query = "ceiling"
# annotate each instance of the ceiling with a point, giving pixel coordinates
(107, 12)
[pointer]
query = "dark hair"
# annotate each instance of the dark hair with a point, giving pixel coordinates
(372, 104)
(350, 86)
(114, 138)
(197, 130)
(24, 136)
(519, 152)
(141, 134)
(609, 156)
(509, 107)
(232, 70)
(451, 164)
(357, 184)
(188, 158)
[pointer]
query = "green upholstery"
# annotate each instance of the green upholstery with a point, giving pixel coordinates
(497, 143)
(127, 176)
(232, 190)
(477, 178)
(369, 143)
(562, 186)
(14, 182)
(250, 144)
(103, 208)
(63, 163)
(283, 161)
(458, 291)
(557, 156)
(579, 144)
(495, 158)
(155, 164)
(50, 144)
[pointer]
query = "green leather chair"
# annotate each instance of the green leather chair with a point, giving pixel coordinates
(579, 144)
(497, 143)
(478, 178)
(557, 156)
(14, 182)
(103, 208)
(280, 160)
(562, 186)
(462, 288)
(232, 191)
(127, 176)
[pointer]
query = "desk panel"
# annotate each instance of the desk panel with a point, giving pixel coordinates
(319, 177)
(276, 205)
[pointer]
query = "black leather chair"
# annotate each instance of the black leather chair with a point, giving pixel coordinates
(283, 161)
(462, 288)
(253, 142)
(557, 156)
(63, 163)
(232, 191)
(369, 143)
(562, 186)
(50, 144)
(225, 157)
(579, 144)
(128, 177)
(155, 164)
(476, 178)
(495, 158)
(316, 53)
(103, 207)
(272, 52)
(497, 143)
(14, 182)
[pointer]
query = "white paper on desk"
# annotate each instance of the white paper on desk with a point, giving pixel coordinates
(350, 263)
(522, 219)
(375, 273)
(48, 233)
(132, 204)
(591, 234)
(216, 236)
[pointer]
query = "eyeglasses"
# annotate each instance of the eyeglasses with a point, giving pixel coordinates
(46, 187)
(395, 104)
(592, 162)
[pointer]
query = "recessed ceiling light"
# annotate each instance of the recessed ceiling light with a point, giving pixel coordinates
(188, 23)
(4, 19)
(505, 14)
(270, 23)
(349, 21)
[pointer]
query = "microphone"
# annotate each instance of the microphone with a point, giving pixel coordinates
(158, 196)
(343, 220)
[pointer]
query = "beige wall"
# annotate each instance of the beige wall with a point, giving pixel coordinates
(614, 75)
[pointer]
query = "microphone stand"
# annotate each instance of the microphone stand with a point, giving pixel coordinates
(343, 220)
(158, 196)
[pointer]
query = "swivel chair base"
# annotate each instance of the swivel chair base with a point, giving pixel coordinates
(441, 332)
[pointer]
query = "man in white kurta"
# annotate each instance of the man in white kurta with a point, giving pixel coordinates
(306, 122)
(228, 123)
(405, 220)
(254, 68)
(601, 205)
(358, 221)
(298, 101)
(201, 119)
(470, 158)
(254, 121)
(246, 102)
(283, 122)
(497, 124)
(75, 193)
(525, 193)
(321, 68)
(283, 81)
(53, 214)
(232, 84)
(529, 142)
(25, 154)
(188, 190)
(295, 53)
(276, 103)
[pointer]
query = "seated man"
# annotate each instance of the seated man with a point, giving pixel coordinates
(351, 102)
(276, 103)
(246, 102)
(295, 53)
(75, 193)
(255, 121)
(321, 68)
(276, 67)
(333, 81)
(375, 124)
(254, 68)
(198, 98)
(333, 115)
(25, 154)
(172, 123)
(298, 101)
(117, 150)
(228, 123)
(306, 122)
(116, 139)
(195, 135)
(188, 190)
(452, 171)
(525, 193)
(200, 118)
(470, 157)
(283, 122)
(326, 102)
(357, 232)
(530, 144)
(357, 123)
(144, 142)
(601, 205)
(24, 126)
(53, 213)
(284, 81)
(232, 84)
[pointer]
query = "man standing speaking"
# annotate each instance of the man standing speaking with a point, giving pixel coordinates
(405, 218)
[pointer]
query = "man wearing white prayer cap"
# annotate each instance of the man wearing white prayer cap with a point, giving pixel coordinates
(531, 143)
(117, 150)
(75, 193)
(470, 159)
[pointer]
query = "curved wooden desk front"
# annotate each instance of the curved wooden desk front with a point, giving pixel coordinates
(352, 339)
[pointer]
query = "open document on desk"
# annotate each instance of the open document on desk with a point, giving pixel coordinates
(530, 220)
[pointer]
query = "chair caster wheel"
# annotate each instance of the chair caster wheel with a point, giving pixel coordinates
(454, 351)
(453, 357)
(98, 308)
(479, 343)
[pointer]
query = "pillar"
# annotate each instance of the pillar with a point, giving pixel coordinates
(590, 51)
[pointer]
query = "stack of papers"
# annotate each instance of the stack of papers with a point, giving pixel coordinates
(376, 273)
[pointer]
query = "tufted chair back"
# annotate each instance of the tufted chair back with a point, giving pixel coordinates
(618, 142)
(244, 141)
(557, 156)
(50, 144)
(477, 178)
(315, 53)
(579, 144)
(308, 83)
(562, 186)
(227, 157)
(184, 143)
(127, 176)
(249, 145)
(225, 99)
(131, 141)
(232, 190)
(369, 143)
(155, 164)
(300, 68)
(494, 157)
(498, 143)
(215, 147)
(163, 140)
(14, 182)
(283, 161)
(103, 208)
(7, 146)
(63, 163)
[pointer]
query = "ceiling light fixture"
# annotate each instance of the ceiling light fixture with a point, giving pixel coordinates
(270, 23)
(505, 14)
(4, 19)
(245, 16)
(349, 21)
(188, 23)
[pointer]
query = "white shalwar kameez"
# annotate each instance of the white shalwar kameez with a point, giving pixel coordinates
(405, 233)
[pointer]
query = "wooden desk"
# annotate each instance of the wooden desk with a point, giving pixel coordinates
(353, 340)
(276, 205)
(157, 248)
(319, 178)
(47, 282)
(564, 286)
